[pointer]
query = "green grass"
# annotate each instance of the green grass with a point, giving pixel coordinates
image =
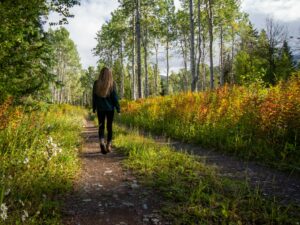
(193, 192)
(38, 155)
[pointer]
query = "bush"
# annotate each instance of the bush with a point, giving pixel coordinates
(252, 122)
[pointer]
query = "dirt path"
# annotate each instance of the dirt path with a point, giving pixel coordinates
(283, 186)
(106, 193)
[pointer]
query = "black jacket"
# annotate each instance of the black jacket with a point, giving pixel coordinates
(108, 103)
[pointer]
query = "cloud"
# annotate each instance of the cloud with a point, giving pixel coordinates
(282, 10)
(89, 17)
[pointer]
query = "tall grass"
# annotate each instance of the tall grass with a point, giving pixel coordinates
(252, 122)
(38, 160)
(194, 193)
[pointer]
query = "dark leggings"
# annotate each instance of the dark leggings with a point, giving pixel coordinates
(109, 115)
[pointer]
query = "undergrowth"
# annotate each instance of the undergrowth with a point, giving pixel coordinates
(251, 122)
(38, 155)
(193, 192)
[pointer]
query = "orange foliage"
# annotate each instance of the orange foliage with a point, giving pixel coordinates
(4, 113)
(251, 115)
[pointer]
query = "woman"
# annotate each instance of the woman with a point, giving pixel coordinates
(105, 101)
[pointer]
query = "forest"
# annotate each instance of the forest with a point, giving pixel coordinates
(215, 43)
(235, 89)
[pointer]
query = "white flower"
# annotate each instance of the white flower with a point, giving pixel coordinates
(26, 160)
(52, 149)
(50, 139)
(3, 211)
(25, 215)
(7, 192)
(10, 177)
(3, 207)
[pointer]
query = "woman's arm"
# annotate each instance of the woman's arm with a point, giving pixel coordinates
(115, 100)
(94, 98)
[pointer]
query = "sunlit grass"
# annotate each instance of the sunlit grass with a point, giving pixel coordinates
(193, 192)
(38, 158)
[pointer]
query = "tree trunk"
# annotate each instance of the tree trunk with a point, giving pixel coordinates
(203, 63)
(192, 47)
(133, 60)
(211, 38)
(138, 37)
(221, 57)
(156, 69)
(122, 71)
(145, 45)
(184, 55)
(199, 43)
(232, 55)
(146, 65)
(168, 66)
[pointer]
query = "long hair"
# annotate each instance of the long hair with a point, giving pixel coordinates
(105, 83)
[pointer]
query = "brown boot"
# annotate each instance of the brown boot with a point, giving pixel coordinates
(102, 146)
(108, 147)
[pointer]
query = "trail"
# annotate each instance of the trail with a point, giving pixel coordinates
(106, 193)
(283, 186)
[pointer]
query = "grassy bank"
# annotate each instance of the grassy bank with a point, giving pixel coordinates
(193, 193)
(252, 122)
(38, 155)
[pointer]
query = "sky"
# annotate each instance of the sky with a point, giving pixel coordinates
(91, 14)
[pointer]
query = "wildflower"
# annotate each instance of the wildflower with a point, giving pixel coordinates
(3, 211)
(52, 149)
(59, 150)
(7, 192)
(50, 140)
(26, 160)
(25, 215)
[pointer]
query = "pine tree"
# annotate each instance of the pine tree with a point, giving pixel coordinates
(285, 62)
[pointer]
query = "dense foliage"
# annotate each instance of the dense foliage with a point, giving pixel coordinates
(25, 51)
(253, 122)
(39, 145)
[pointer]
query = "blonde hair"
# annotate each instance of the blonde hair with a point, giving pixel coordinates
(105, 83)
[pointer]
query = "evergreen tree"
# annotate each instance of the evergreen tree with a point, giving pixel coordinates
(67, 68)
(25, 52)
(285, 62)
